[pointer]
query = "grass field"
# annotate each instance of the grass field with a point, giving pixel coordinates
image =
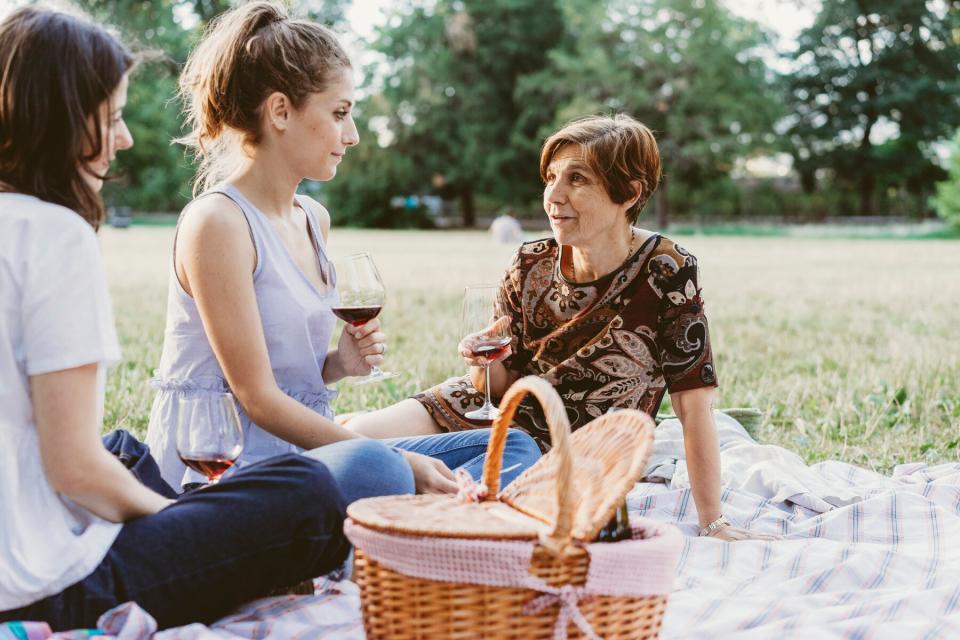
(850, 347)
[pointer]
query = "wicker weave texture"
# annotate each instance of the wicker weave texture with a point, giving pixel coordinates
(433, 515)
(558, 504)
(608, 457)
(398, 607)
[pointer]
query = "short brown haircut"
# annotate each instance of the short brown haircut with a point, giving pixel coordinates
(619, 149)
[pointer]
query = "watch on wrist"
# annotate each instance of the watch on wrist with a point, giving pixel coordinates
(719, 523)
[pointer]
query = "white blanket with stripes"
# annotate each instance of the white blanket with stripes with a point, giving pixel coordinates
(864, 555)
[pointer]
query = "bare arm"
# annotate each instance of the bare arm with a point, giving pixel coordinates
(74, 459)
(694, 407)
(215, 259)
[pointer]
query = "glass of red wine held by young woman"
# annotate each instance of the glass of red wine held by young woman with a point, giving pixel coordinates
(209, 434)
(487, 336)
(362, 296)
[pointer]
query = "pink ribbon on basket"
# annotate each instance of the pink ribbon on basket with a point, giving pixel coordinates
(567, 596)
(470, 489)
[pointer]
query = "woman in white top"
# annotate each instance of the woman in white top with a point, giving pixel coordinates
(79, 533)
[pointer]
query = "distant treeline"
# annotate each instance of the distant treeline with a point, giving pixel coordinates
(460, 94)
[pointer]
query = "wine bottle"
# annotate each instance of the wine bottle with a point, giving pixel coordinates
(618, 528)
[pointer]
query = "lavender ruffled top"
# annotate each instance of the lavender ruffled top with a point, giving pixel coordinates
(297, 324)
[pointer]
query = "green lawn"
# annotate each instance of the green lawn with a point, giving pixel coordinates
(850, 347)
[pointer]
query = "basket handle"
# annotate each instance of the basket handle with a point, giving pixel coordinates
(556, 415)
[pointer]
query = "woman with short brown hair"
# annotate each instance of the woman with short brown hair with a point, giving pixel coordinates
(610, 314)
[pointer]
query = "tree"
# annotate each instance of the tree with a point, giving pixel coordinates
(947, 200)
(691, 71)
(370, 177)
(448, 102)
(869, 69)
(154, 175)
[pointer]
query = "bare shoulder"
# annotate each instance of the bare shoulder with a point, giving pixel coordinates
(213, 227)
(212, 215)
(323, 216)
(215, 211)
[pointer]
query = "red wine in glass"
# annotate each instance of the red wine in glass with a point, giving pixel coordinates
(480, 322)
(212, 465)
(491, 349)
(357, 316)
(362, 296)
(209, 433)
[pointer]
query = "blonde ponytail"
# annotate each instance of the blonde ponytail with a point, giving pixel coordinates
(245, 55)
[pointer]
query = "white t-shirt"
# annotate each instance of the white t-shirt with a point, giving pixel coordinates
(55, 314)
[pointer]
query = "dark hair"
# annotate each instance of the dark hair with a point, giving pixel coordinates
(619, 149)
(245, 55)
(55, 72)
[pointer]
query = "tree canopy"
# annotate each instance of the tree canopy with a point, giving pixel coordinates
(877, 83)
(459, 94)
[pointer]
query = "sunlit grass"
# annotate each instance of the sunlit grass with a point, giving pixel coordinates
(851, 348)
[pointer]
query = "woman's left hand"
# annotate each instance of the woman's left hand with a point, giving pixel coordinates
(731, 533)
(361, 348)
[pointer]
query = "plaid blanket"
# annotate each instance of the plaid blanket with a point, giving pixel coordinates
(332, 614)
(863, 555)
(887, 566)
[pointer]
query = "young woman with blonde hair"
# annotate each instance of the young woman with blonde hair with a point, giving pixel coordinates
(269, 100)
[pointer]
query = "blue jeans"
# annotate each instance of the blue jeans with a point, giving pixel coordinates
(366, 468)
(271, 525)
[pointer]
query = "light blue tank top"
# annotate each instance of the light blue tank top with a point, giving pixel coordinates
(297, 324)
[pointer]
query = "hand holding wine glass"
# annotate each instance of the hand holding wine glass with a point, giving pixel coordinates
(362, 296)
(489, 345)
(361, 348)
(487, 339)
(209, 433)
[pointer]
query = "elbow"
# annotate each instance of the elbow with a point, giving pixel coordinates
(258, 402)
(72, 477)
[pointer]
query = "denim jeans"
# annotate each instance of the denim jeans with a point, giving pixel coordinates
(270, 525)
(468, 449)
(381, 475)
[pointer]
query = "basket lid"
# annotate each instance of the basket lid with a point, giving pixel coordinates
(608, 458)
(570, 493)
(445, 517)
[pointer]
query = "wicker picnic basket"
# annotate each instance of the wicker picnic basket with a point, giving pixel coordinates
(520, 564)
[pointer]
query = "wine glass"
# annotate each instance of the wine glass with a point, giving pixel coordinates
(480, 317)
(209, 434)
(362, 296)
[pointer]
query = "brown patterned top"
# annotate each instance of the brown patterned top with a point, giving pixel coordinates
(621, 341)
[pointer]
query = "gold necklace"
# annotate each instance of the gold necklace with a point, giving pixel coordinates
(633, 235)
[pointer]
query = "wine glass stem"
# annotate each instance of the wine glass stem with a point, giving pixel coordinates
(486, 389)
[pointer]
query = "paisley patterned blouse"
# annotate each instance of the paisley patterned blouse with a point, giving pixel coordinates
(621, 341)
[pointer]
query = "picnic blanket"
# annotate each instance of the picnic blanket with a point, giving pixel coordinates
(333, 613)
(863, 555)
